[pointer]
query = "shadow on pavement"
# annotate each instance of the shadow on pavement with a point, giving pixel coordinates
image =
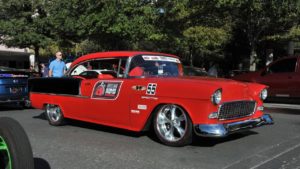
(210, 142)
(103, 128)
(42, 116)
(97, 127)
(40, 163)
(198, 141)
(10, 107)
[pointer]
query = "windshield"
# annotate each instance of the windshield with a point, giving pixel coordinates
(150, 65)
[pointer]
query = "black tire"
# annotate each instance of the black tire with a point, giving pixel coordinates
(56, 119)
(186, 125)
(18, 144)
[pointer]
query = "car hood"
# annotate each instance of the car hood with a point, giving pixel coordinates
(204, 87)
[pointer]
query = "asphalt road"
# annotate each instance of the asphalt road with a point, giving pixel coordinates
(87, 146)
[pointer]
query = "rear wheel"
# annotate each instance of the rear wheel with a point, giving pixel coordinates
(54, 115)
(15, 148)
(173, 126)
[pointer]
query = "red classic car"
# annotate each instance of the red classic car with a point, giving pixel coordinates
(282, 77)
(143, 90)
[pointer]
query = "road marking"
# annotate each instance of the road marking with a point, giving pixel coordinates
(261, 155)
(276, 156)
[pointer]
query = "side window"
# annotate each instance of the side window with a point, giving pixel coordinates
(287, 65)
(79, 69)
(92, 69)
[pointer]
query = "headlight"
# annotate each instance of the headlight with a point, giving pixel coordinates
(216, 97)
(263, 94)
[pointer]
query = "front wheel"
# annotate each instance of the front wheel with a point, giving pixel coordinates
(173, 126)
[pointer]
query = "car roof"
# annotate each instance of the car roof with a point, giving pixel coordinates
(116, 54)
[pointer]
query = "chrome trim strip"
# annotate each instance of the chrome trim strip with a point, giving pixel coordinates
(282, 95)
(68, 95)
(11, 101)
(127, 66)
(149, 97)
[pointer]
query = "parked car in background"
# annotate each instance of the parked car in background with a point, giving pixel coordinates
(282, 77)
(13, 86)
(150, 91)
(193, 71)
(233, 73)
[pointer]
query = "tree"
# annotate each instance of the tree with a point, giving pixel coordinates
(260, 19)
(122, 25)
(193, 27)
(207, 40)
(66, 24)
(24, 24)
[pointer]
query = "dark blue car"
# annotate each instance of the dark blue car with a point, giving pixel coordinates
(13, 86)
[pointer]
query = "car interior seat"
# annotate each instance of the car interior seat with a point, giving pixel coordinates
(105, 76)
(137, 71)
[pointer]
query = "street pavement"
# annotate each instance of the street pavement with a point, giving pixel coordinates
(81, 145)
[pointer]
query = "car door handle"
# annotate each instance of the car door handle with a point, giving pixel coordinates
(138, 88)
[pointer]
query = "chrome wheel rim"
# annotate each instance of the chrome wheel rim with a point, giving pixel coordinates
(53, 112)
(171, 122)
(5, 158)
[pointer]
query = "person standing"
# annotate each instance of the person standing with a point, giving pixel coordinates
(57, 67)
(44, 70)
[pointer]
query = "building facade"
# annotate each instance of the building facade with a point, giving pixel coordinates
(15, 57)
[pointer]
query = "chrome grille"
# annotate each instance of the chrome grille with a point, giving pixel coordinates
(237, 109)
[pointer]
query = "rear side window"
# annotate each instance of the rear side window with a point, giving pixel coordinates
(286, 65)
(92, 68)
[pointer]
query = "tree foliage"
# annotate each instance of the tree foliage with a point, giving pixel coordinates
(194, 29)
(260, 19)
(206, 39)
(23, 23)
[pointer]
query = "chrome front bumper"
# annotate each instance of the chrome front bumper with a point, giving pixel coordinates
(222, 130)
